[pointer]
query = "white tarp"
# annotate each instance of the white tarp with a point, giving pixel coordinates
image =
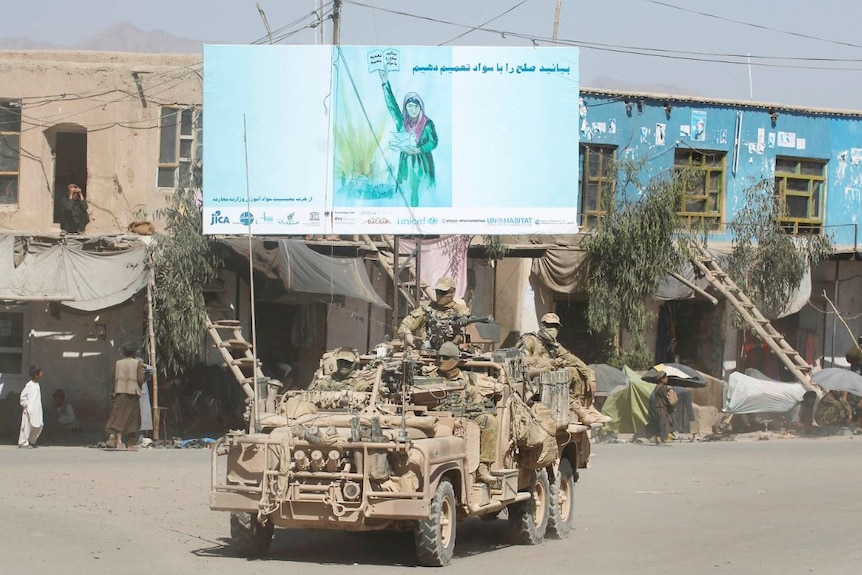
(744, 394)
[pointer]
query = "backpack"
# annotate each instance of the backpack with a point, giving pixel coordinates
(672, 397)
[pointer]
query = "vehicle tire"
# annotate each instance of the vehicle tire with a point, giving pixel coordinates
(528, 520)
(562, 501)
(435, 536)
(248, 536)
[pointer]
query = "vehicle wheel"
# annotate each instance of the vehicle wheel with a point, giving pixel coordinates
(562, 501)
(528, 520)
(248, 536)
(435, 536)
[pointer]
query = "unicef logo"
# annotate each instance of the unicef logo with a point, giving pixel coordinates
(432, 221)
(246, 218)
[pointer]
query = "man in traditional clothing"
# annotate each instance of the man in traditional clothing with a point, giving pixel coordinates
(32, 419)
(661, 408)
(438, 321)
(126, 413)
(542, 350)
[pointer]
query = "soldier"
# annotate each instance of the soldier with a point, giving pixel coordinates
(470, 402)
(338, 372)
(543, 350)
(435, 322)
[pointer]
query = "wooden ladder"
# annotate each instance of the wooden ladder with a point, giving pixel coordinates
(720, 280)
(236, 352)
(394, 269)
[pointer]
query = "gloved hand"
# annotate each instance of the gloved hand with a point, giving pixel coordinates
(408, 340)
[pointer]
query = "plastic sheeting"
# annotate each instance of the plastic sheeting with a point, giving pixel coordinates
(628, 408)
(836, 378)
(442, 257)
(744, 394)
(91, 281)
(302, 274)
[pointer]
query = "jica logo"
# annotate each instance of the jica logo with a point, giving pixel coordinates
(217, 218)
(246, 218)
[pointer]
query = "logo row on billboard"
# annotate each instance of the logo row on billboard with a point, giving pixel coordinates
(248, 218)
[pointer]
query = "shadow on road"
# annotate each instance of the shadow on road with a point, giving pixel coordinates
(383, 548)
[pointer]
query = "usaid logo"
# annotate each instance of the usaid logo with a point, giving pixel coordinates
(217, 218)
(246, 218)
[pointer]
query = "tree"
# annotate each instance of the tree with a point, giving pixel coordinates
(767, 262)
(634, 248)
(184, 261)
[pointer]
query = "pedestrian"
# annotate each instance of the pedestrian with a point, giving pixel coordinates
(32, 419)
(125, 420)
(662, 404)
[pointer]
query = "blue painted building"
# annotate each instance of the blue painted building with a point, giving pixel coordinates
(811, 158)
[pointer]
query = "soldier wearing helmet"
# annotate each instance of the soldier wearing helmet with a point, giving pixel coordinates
(472, 401)
(338, 372)
(438, 317)
(543, 350)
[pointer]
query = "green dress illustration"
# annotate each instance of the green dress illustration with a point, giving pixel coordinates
(415, 162)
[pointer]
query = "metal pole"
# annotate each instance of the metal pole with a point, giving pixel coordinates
(255, 417)
(154, 392)
(318, 30)
(396, 280)
(336, 22)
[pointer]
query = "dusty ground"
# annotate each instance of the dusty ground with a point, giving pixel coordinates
(766, 507)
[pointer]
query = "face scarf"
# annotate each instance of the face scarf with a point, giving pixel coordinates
(549, 335)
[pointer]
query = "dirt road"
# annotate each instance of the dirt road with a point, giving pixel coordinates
(764, 507)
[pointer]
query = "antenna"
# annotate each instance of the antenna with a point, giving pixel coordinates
(255, 414)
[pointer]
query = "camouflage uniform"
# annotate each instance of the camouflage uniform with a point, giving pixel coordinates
(421, 321)
(470, 402)
(338, 372)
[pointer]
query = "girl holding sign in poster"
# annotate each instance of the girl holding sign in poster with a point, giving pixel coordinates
(415, 140)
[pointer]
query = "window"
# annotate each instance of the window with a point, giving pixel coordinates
(703, 199)
(10, 142)
(598, 182)
(178, 128)
(11, 341)
(800, 186)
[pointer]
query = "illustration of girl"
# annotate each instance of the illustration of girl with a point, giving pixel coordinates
(416, 140)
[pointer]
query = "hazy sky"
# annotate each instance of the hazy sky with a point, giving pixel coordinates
(785, 38)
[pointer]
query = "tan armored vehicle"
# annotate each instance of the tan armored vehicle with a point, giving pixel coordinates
(391, 458)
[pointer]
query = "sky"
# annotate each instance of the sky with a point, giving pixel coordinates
(801, 53)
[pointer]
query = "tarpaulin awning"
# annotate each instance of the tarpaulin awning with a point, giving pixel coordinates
(295, 273)
(79, 279)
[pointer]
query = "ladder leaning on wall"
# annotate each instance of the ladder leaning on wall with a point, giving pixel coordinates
(706, 263)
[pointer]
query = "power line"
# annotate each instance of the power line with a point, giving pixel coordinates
(752, 25)
(485, 23)
(632, 50)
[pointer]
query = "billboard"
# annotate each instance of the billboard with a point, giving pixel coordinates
(395, 140)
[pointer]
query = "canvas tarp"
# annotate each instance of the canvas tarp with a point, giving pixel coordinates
(628, 407)
(294, 273)
(83, 280)
(744, 394)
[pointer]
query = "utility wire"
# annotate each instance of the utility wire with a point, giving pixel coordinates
(485, 23)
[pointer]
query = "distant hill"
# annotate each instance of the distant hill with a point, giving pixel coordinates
(611, 83)
(121, 37)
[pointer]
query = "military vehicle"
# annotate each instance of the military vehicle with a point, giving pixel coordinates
(389, 459)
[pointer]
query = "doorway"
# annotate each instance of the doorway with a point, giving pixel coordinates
(70, 166)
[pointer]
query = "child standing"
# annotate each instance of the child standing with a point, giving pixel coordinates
(31, 418)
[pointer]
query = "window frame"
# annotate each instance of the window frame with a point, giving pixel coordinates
(14, 176)
(701, 218)
(22, 311)
(184, 142)
(794, 224)
(605, 181)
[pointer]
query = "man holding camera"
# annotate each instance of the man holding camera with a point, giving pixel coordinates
(74, 218)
